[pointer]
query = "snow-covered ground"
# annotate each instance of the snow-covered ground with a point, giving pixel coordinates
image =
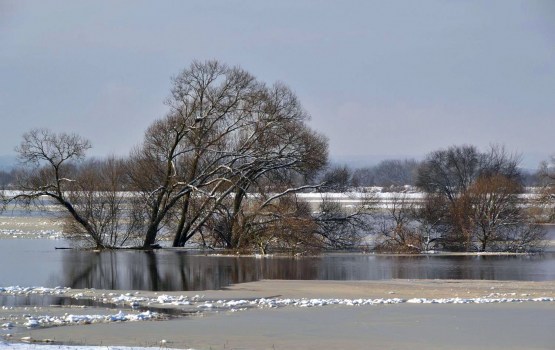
(28, 226)
(32, 321)
(38, 318)
(67, 347)
(135, 300)
(32, 328)
(33, 318)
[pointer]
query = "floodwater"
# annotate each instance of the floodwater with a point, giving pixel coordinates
(36, 262)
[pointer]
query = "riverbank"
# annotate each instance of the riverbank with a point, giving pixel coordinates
(322, 315)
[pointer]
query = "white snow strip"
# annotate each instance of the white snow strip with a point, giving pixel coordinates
(73, 347)
(274, 302)
(17, 290)
(182, 300)
(45, 320)
(476, 300)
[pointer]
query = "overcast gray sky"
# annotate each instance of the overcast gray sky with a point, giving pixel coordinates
(380, 78)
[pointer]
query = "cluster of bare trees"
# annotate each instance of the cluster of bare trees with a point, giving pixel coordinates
(471, 203)
(394, 175)
(391, 174)
(223, 167)
(233, 183)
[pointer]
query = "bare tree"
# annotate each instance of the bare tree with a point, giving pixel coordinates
(99, 195)
(281, 224)
(337, 178)
(498, 161)
(452, 171)
(449, 172)
(546, 200)
(431, 222)
(476, 198)
(289, 223)
(397, 230)
(187, 153)
(50, 159)
(494, 208)
(91, 193)
(224, 133)
(277, 149)
(547, 170)
(344, 227)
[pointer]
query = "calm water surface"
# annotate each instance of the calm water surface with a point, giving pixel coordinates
(35, 262)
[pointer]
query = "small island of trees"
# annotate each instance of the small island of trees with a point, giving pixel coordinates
(232, 163)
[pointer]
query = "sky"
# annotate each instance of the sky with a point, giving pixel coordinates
(381, 79)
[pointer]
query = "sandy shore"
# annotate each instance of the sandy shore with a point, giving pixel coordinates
(506, 325)
(356, 289)
(405, 289)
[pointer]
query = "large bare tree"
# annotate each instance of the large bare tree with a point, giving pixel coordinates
(186, 153)
(225, 131)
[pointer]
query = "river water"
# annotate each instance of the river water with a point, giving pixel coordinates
(36, 262)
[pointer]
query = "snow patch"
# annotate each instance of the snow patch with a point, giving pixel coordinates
(4, 345)
(45, 320)
(234, 305)
(17, 290)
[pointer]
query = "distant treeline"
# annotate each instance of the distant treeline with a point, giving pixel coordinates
(392, 175)
(7, 179)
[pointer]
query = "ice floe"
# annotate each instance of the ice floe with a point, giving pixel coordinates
(198, 301)
(70, 319)
(276, 302)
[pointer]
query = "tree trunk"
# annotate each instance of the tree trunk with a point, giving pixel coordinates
(179, 232)
(235, 227)
(150, 237)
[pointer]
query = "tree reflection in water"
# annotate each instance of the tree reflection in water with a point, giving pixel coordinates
(179, 270)
(171, 270)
